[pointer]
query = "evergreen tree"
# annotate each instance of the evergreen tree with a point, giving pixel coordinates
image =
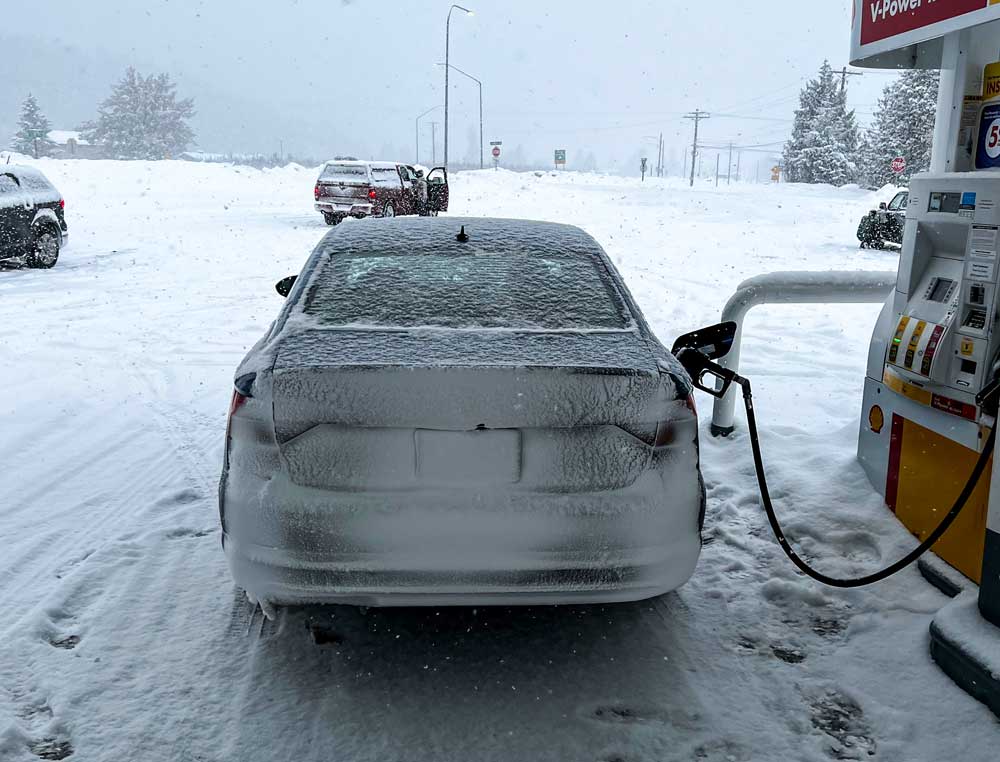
(32, 126)
(824, 139)
(142, 119)
(903, 126)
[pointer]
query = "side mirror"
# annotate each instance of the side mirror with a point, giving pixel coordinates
(420, 173)
(284, 286)
(883, 205)
(714, 342)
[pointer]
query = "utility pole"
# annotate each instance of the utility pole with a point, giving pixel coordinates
(684, 168)
(729, 164)
(659, 157)
(844, 74)
(717, 157)
(697, 115)
(433, 144)
(738, 155)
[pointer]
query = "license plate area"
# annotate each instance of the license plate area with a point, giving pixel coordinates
(468, 458)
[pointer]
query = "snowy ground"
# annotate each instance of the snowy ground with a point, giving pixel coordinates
(122, 639)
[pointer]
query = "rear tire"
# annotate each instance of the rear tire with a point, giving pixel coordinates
(44, 249)
(331, 219)
(389, 210)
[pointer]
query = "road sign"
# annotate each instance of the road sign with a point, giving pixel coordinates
(496, 152)
(496, 142)
(775, 174)
(898, 165)
(560, 156)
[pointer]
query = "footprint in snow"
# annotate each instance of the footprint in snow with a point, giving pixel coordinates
(67, 643)
(51, 748)
(841, 720)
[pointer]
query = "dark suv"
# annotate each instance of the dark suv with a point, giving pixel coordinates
(32, 223)
(378, 189)
(885, 224)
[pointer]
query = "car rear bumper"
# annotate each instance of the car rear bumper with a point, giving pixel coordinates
(344, 208)
(397, 549)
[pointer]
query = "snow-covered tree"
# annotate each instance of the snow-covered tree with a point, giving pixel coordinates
(824, 139)
(142, 119)
(903, 126)
(33, 130)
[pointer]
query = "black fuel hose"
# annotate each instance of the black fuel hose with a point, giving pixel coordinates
(909, 558)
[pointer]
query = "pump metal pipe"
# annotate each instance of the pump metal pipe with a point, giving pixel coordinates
(793, 287)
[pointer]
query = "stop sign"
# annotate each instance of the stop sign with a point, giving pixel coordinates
(496, 152)
(898, 164)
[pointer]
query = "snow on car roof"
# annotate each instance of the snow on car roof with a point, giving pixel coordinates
(23, 170)
(486, 235)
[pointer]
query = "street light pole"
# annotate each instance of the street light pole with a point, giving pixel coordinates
(478, 82)
(416, 129)
(447, 43)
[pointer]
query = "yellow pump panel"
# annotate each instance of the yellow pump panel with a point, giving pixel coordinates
(926, 473)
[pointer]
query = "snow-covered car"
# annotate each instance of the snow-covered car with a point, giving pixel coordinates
(460, 411)
(350, 188)
(32, 219)
(885, 224)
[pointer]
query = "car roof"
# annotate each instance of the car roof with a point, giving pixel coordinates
(23, 170)
(361, 163)
(438, 235)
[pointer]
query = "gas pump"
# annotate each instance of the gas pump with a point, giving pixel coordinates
(933, 350)
(928, 424)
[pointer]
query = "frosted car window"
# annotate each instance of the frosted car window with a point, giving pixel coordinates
(35, 182)
(343, 172)
(485, 290)
(8, 184)
(385, 176)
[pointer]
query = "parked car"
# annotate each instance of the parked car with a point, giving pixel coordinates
(460, 411)
(32, 217)
(885, 224)
(378, 189)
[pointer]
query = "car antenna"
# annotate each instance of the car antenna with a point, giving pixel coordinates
(462, 237)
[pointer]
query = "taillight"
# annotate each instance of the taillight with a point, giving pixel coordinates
(689, 402)
(316, 193)
(371, 194)
(242, 391)
(62, 203)
(667, 431)
(237, 402)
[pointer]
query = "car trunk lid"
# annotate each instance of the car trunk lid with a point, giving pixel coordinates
(360, 409)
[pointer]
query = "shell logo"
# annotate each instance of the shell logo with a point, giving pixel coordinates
(876, 419)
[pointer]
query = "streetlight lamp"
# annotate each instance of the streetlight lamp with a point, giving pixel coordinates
(447, 35)
(478, 82)
(416, 129)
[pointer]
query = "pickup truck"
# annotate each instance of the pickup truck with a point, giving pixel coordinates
(378, 189)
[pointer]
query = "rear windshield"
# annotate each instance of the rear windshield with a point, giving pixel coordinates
(385, 176)
(484, 290)
(343, 172)
(30, 181)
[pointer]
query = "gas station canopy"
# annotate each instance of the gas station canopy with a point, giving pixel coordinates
(909, 34)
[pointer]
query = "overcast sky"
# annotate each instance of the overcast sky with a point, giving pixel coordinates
(338, 76)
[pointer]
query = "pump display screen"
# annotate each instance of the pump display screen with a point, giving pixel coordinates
(939, 289)
(945, 202)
